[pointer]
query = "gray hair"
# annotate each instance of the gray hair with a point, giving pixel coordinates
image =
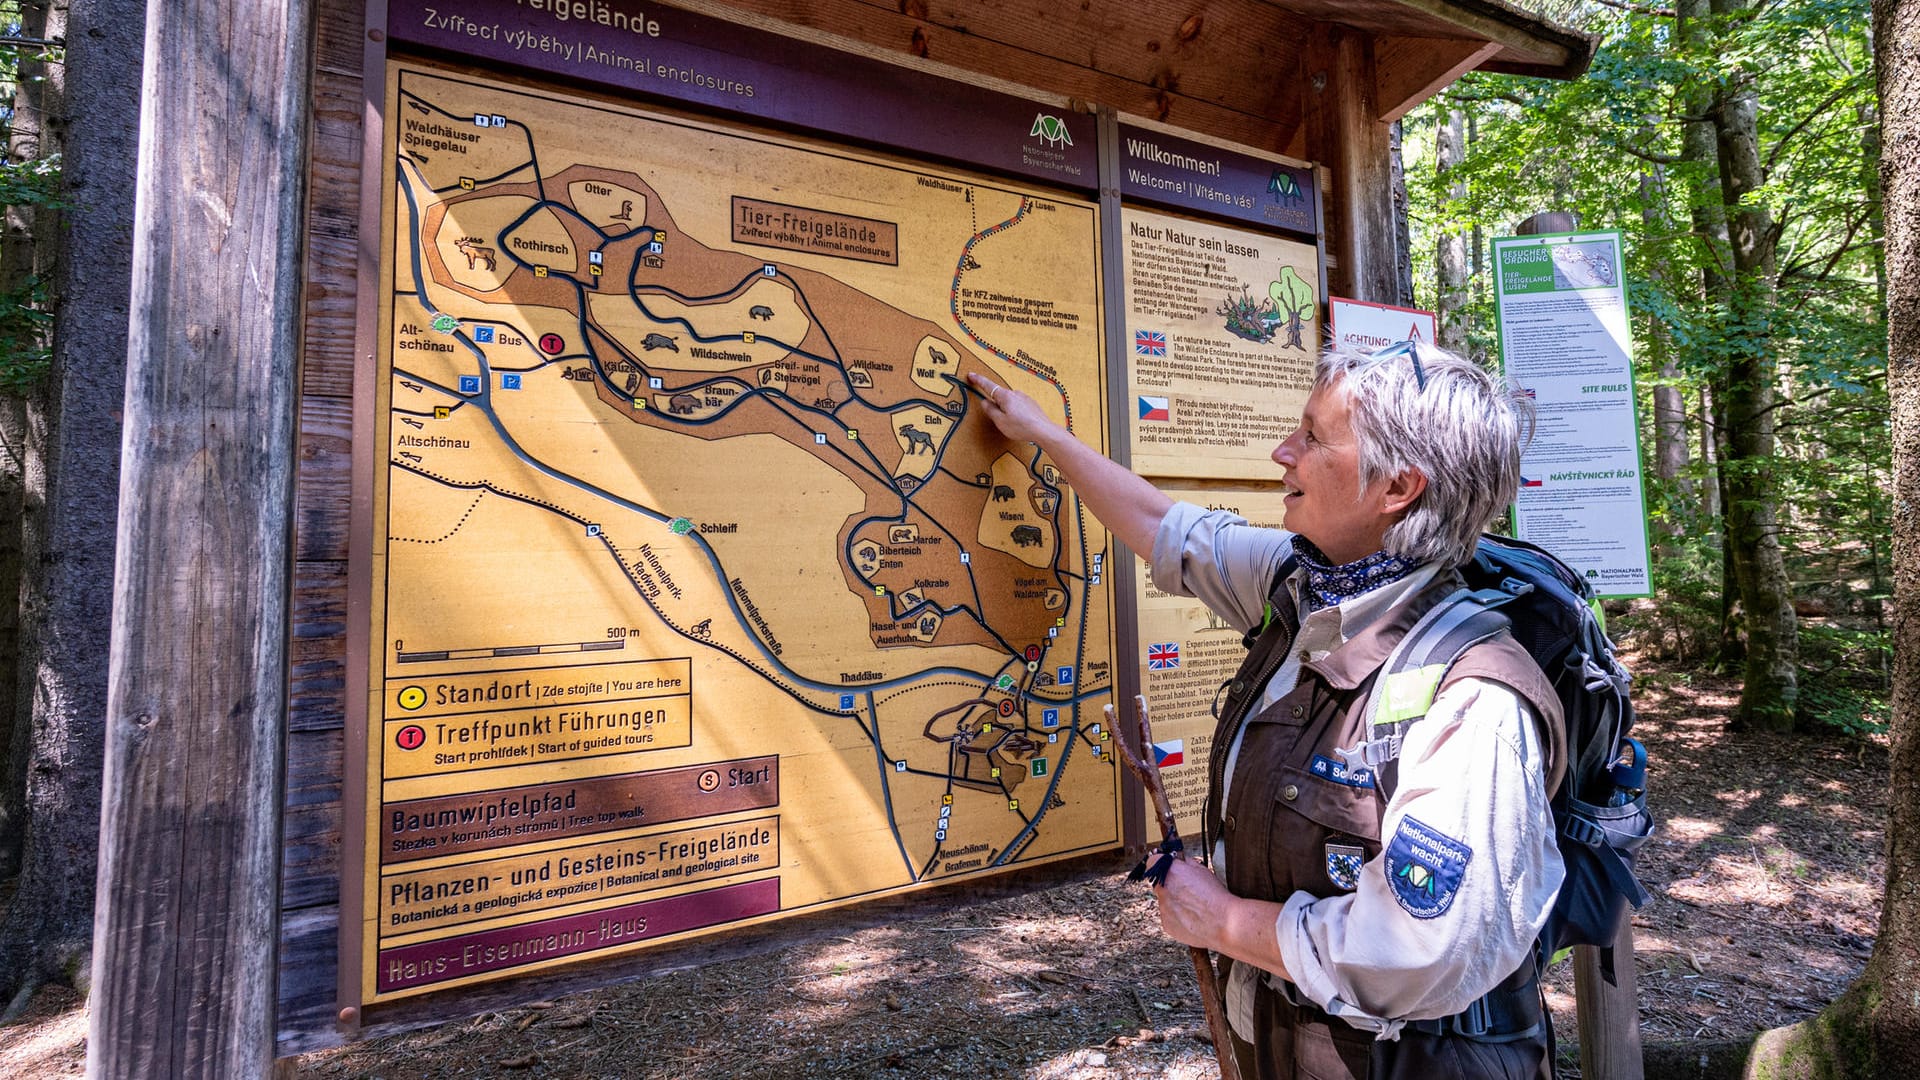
(1464, 431)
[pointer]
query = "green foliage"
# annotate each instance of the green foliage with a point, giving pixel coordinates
(26, 324)
(1611, 147)
(1682, 625)
(1294, 299)
(1843, 679)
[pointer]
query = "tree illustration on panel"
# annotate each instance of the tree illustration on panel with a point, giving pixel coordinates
(1249, 318)
(1294, 300)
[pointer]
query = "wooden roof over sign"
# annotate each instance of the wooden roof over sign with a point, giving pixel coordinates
(1233, 69)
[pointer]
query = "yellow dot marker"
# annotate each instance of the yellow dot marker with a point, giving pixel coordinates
(412, 698)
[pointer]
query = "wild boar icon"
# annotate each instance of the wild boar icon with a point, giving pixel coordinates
(658, 341)
(916, 438)
(683, 404)
(1026, 535)
(761, 312)
(1002, 493)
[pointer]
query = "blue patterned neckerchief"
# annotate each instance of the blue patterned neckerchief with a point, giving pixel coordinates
(1329, 584)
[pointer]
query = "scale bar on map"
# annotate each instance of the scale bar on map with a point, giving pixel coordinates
(509, 650)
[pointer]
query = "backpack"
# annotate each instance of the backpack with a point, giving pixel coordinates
(1600, 809)
(1600, 814)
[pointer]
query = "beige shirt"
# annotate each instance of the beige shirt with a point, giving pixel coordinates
(1472, 769)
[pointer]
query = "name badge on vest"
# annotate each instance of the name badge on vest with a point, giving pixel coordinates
(1326, 768)
(1343, 865)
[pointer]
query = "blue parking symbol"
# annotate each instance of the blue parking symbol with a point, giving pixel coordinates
(483, 334)
(846, 701)
(1050, 717)
(510, 382)
(1065, 677)
(469, 384)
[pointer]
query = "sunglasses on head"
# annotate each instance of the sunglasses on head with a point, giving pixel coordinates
(1411, 350)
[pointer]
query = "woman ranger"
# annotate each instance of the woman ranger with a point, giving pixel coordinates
(1376, 912)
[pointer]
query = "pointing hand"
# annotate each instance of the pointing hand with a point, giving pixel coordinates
(1017, 416)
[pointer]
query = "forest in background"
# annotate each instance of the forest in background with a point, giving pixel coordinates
(1734, 145)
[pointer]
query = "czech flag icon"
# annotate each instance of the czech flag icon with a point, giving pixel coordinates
(1154, 408)
(1171, 752)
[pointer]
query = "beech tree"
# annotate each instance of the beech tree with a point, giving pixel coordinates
(72, 446)
(1873, 1030)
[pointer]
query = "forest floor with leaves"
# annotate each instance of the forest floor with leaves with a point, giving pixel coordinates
(1766, 873)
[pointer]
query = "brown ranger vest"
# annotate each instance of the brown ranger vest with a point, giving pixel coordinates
(1280, 817)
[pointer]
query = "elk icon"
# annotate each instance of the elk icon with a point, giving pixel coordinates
(474, 252)
(916, 438)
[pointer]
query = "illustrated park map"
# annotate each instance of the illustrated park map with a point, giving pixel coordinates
(701, 590)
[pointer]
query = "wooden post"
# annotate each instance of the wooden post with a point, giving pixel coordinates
(1547, 221)
(185, 925)
(1345, 133)
(1608, 1016)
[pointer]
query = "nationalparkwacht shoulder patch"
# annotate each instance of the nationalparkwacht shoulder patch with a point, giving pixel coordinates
(1425, 867)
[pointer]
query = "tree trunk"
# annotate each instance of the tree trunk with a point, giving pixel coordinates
(1670, 457)
(1769, 687)
(1874, 1028)
(15, 716)
(49, 926)
(1402, 222)
(1701, 172)
(25, 256)
(1451, 296)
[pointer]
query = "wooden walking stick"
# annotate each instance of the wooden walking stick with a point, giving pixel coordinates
(1142, 764)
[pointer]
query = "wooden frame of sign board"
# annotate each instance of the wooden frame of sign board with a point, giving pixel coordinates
(1316, 90)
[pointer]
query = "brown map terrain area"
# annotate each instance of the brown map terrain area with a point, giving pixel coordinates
(884, 435)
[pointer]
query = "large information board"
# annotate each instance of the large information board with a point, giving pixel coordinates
(701, 592)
